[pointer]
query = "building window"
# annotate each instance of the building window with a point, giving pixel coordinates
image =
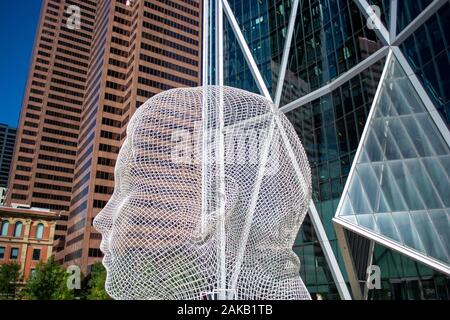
(2, 252)
(36, 254)
(14, 253)
(39, 231)
(5, 227)
(18, 229)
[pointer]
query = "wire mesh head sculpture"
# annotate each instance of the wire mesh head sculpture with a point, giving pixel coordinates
(212, 185)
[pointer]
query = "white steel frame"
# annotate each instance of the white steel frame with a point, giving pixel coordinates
(391, 40)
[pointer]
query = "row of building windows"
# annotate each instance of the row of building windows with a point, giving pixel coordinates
(18, 230)
(165, 75)
(171, 13)
(170, 23)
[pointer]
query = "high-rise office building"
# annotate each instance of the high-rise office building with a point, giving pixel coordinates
(45, 153)
(139, 49)
(86, 81)
(365, 85)
(7, 140)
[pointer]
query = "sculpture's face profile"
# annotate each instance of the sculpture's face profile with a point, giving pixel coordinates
(211, 187)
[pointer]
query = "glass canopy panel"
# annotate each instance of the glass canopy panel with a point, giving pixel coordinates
(401, 175)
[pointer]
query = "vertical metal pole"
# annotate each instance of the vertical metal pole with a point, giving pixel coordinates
(205, 43)
(222, 285)
(286, 50)
(204, 125)
(219, 42)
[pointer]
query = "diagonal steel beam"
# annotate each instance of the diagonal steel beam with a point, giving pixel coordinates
(418, 21)
(393, 21)
(246, 50)
(368, 12)
(286, 50)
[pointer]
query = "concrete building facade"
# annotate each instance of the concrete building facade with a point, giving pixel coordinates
(26, 237)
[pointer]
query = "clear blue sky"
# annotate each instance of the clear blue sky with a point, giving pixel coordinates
(18, 22)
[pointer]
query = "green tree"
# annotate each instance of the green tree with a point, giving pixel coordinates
(49, 282)
(9, 277)
(96, 283)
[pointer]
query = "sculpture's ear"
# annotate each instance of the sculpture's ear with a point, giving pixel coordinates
(207, 221)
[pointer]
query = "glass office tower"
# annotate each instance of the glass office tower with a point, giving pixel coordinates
(366, 86)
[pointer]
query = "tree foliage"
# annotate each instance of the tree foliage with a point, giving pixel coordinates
(49, 282)
(9, 277)
(96, 284)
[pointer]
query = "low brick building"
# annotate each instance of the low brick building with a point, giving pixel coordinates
(26, 237)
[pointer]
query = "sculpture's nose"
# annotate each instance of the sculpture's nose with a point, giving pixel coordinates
(103, 221)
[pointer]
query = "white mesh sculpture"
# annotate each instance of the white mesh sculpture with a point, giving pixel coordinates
(212, 185)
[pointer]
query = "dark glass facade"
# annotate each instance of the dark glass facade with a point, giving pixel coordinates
(405, 279)
(7, 140)
(236, 71)
(330, 129)
(428, 53)
(264, 26)
(407, 11)
(330, 37)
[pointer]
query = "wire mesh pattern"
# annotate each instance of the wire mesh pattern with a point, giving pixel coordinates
(212, 186)
(400, 186)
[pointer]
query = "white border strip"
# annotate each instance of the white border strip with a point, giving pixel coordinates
(219, 42)
(365, 132)
(393, 21)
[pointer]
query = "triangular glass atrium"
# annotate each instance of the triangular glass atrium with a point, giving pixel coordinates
(399, 188)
